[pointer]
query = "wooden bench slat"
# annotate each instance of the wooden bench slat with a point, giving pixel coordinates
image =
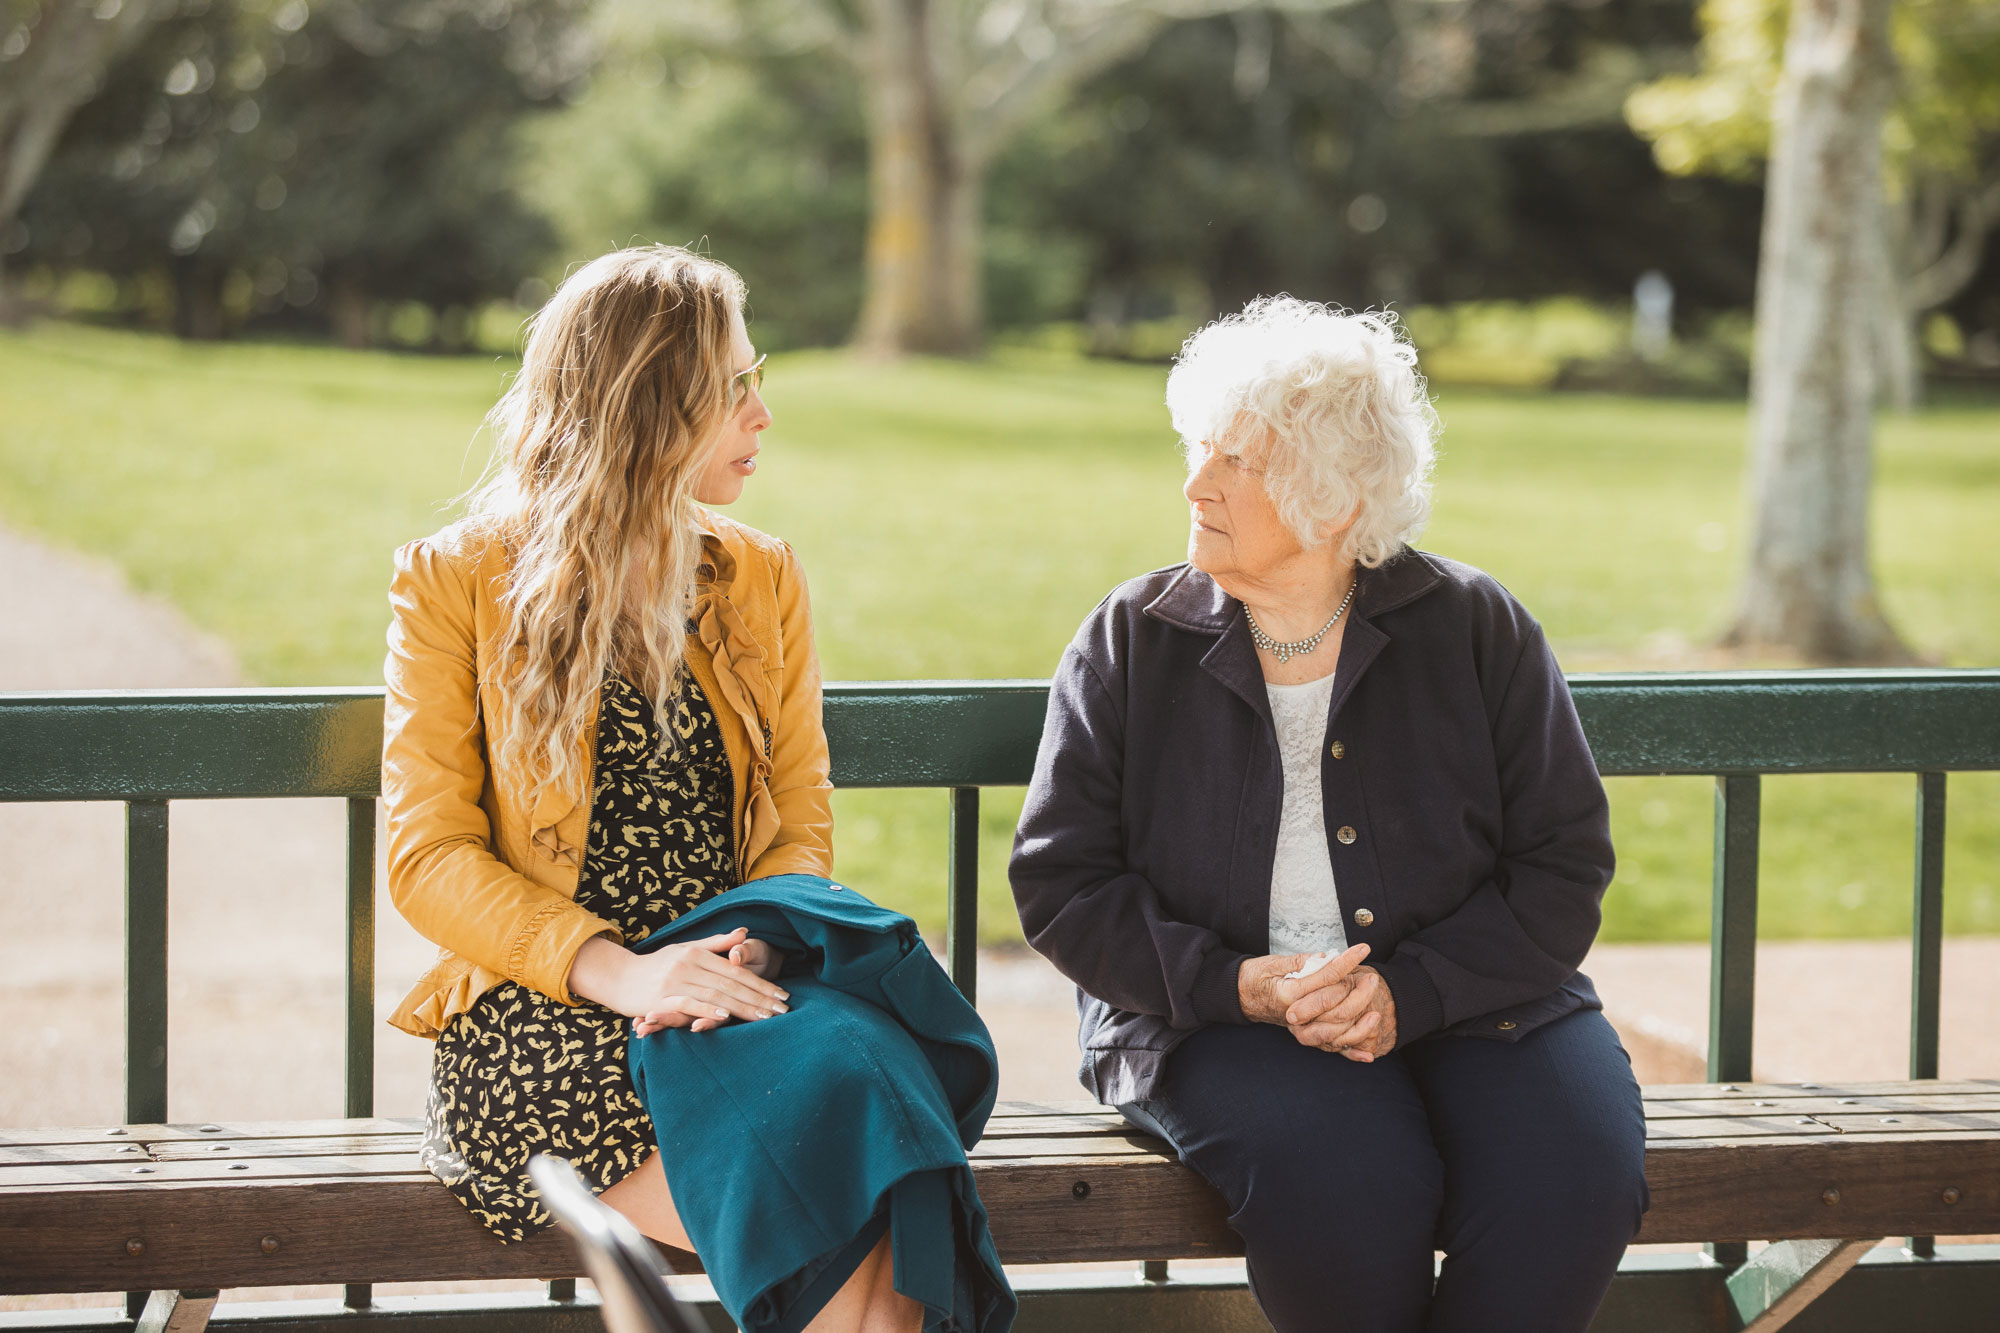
(1653, 1092)
(332, 1145)
(1725, 1129)
(198, 1131)
(1046, 1126)
(1098, 1145)
(1910, 1122)
(344, 1201)
(18, 1180)
(1949, 1101)
(1777, 1190)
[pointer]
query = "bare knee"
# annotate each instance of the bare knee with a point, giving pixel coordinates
(868, 1301)
(645, 1201)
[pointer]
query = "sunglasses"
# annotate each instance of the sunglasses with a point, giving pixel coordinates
(747, 381)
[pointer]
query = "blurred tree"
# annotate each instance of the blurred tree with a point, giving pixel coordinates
(765, 160)
(275, 155)
(52, 60)
(950, 88)
(1392, 152)
(946, 85)
(1810, 588)
(1942, 183)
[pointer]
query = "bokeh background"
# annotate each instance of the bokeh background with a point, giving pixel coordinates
(264, 266)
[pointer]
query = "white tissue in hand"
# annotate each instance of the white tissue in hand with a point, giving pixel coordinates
(1313, 964)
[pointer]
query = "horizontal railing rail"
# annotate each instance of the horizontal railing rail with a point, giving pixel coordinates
(182, 745)
(147, 748)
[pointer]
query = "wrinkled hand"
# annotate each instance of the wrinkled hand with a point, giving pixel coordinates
(698, 984)
(1354, 1016)
(1266, 990)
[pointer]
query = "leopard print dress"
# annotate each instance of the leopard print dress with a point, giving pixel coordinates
(519, 1073)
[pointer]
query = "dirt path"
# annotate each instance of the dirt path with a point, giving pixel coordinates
(255, 978)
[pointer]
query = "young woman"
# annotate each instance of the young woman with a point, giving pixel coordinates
(603, 709)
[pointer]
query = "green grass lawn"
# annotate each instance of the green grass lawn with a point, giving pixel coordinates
(958, 520)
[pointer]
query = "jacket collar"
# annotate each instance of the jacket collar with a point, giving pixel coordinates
(1194, 602)
(718, 551)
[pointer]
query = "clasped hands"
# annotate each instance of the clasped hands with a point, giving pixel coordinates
(1341, 1007)
(698, 984)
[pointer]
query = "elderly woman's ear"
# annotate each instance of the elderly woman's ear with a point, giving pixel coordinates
(1335, 534)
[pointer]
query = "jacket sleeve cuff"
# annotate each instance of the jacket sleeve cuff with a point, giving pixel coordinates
(791, 859)
(1419, 1008)
(549, 945)
(1215, 998)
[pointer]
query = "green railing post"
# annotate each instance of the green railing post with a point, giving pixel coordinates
(1927, 945)
(360, 1082)
(1732, 959)
(145, 962)
(145, 975)
(1732, 971)
(961, 923)
(360, 957)
(1927, 927)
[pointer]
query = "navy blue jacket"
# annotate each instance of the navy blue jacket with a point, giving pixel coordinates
(793, 1143)
(1463, 812)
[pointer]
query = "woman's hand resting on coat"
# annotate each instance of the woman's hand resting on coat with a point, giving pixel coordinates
(700, 984)
(1340, 1006)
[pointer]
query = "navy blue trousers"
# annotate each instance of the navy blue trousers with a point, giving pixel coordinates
(1524, 1162)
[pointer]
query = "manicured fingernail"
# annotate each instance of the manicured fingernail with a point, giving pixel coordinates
(764, 1013)
(722, 1013)
(784, 995)
(781, 1008)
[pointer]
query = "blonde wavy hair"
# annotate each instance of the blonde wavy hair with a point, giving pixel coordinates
(1350, 424)
(627, 374)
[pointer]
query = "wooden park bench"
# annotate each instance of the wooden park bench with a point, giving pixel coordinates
(1824, 1172)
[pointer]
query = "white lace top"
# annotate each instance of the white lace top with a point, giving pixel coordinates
(1305, 913)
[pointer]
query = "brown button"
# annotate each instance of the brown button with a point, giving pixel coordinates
(1505, 1025)
(1345, 833)
(1363, 917)
(1337, 750)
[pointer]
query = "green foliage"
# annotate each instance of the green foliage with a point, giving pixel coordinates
(1351, 165)
(765, 166)
(1718, 120)
(1170, 185)
(258, 156)
(959, 520)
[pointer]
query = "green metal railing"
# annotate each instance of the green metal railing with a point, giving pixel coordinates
(148, 748)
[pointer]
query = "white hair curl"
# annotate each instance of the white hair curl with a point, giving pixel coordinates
(1350, 424)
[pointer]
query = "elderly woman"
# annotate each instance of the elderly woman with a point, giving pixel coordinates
(1317, 834)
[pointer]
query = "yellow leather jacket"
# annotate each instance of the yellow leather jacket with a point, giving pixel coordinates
(492, 881)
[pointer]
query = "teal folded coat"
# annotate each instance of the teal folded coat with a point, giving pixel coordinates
(792, 1143)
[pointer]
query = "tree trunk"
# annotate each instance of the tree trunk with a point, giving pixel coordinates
(926, 195)
(1902, 354)
(1810, 591)
(1937, 232)
(13, 312)
(347, 310)
(198, 312)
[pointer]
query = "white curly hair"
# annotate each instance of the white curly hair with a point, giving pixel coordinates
(1349, 421)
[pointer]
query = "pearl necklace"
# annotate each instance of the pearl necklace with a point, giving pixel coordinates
(1285, 652)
